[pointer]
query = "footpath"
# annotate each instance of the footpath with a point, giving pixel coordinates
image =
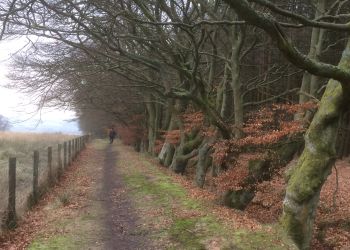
(114, 198)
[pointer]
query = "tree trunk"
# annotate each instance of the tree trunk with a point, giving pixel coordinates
(202, 164)
(169, 110)
(214, 117)
(163, 152)
(227, 97)
(238, 37)
(152, 117)
(317, 47)
(315, 163)
(219, 96)
(169, 156)
(180, 160)
(309, 83)
(305, 88)
(185, 151)
(167, 152)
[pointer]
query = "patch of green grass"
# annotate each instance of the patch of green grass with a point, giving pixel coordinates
(160, 188)
(192, 204)
(190, 232)
(255, 240)
(100, 144)
(182, 231)
(57, 242)
(272, 238)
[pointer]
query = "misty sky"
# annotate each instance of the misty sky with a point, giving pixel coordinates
(23, 115)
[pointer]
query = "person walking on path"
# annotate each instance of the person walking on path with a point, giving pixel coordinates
(112, 135)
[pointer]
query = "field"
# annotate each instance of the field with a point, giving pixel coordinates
(22, 146)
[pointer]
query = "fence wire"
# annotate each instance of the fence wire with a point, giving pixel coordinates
(24, 174)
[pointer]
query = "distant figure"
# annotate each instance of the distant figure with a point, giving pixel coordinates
(112, 135)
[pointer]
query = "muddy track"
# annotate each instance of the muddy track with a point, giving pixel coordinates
(121, 225)
(99, 214)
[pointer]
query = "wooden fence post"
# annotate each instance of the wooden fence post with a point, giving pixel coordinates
(36, 177)
(65, 161)
(11, 220)
(73, 150)
(76, 147)
(84, 141)
(78, 143)
(69, 152)
(59, 154)
(49, 164)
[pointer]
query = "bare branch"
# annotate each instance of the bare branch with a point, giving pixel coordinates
(301, 19)
(290, 52)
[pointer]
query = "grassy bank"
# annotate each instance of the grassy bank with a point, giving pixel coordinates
(171, 215)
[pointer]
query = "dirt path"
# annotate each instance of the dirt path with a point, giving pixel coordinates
(121, 224)
(115, 198)
(88, 209)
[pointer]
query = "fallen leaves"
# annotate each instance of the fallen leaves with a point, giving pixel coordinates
(35, 220)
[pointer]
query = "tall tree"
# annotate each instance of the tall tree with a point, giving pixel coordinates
(314, 165)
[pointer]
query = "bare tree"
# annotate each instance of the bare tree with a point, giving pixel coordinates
(308, 176)
(169, 54)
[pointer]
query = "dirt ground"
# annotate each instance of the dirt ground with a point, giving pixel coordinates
(88, 209)
(114, 198)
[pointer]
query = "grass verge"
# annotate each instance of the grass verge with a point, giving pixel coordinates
(180, 222)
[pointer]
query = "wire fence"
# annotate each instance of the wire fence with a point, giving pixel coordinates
(22, 184)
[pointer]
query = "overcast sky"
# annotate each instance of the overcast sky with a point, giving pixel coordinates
(17, 108)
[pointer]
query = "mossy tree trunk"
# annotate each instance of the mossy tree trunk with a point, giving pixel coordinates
(315, 163)
(166, 154)
(185, 151)
(204, 161)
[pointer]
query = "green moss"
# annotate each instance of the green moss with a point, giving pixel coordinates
(313, 167)
(309, 174)
(293, 227)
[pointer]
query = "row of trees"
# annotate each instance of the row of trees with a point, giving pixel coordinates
(182, 78)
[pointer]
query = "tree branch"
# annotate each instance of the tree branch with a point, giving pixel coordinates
(246, 12)
(301, 19)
